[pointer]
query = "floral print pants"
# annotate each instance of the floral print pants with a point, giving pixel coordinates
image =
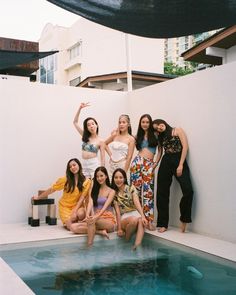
(142, 177)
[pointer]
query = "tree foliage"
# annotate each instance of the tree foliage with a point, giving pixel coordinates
(172, 69)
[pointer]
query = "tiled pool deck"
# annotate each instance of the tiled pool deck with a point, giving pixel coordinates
(10, 234)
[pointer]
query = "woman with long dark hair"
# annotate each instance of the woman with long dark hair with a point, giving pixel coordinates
(173, 142)
(129, 212)
(100, 215)
(143, 166)
(92, 143)
(121, 145)
(75, 193)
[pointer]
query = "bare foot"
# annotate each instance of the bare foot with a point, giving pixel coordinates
(134, 247)
(183, 226)
(105, 234)
(151, 226)
(162, 229)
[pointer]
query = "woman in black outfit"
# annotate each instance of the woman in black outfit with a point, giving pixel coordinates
(175, 145)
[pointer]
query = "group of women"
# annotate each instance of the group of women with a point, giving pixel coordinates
(96, 201)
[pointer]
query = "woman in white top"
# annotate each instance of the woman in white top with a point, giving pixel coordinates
(92, 143)
(121, 146)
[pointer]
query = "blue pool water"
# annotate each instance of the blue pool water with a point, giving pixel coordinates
(110, 267)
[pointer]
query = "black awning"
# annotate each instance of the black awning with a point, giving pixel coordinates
(156, 18)
(9, 58)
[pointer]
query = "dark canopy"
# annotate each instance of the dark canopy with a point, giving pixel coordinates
(156, 18)
(10, 58)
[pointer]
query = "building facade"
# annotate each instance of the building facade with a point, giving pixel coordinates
(87, 49)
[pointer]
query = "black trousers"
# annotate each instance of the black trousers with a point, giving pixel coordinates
(168, 166)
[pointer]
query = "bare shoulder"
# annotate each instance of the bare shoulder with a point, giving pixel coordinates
(179, 131)
(112, 191)
(131, 139)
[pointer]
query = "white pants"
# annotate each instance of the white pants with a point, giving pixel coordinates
(89, 166)
(134, 213)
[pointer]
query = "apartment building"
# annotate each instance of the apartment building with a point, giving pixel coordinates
(174, 47)
(87, 49)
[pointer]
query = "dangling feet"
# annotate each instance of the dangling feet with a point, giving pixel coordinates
(162, 229)
(104, 233)
(183, 226)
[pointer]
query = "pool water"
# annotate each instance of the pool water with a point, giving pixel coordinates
(111, 267)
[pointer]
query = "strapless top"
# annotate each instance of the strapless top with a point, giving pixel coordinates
(119, 150)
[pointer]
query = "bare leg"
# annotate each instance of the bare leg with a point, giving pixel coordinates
(91, 234)
(139, 234)
(106, 224)
(131, 228)
(81, 213)
(162, 229)
(183, 226)
(103, 233)
(79, 228)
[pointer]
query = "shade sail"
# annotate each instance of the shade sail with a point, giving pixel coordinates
(9, 58)
(156, 18)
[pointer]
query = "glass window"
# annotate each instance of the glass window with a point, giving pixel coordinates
(75, 51)
(48, 66)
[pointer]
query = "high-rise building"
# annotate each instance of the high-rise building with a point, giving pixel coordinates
(174, 47)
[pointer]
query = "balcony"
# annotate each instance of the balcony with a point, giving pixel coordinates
(76, 61)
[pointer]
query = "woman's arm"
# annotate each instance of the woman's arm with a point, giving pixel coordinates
(130, 153)
(183, 138)
(76, 118)
(89, 210)
(158, 158)
(139, 208)
(102, 153)
(118, 219)
(44, 194)
(109, 140)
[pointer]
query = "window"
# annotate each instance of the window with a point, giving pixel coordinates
(75, 51)
(75, 82)
(48, 65)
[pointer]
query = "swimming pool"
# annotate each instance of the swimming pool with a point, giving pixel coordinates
(110, 267)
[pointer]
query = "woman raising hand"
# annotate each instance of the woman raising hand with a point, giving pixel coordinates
(92, 143)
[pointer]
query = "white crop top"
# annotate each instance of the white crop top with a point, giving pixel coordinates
(119, 150)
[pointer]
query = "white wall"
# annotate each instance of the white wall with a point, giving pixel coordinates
(204, 105)
(231, 54)
(38, 137)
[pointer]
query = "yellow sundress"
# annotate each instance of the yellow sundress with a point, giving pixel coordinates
(69, 200)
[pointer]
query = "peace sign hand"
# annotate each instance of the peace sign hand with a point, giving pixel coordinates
(84, 105)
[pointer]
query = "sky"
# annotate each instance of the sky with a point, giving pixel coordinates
(25, 19)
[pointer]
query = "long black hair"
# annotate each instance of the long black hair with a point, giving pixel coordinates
(122, 171)
(70, 177)
(167, 133)
(151, 137)
(128, 121)
(86, 133)
(96, 185)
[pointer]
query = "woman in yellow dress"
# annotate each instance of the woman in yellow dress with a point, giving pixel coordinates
(75, 186)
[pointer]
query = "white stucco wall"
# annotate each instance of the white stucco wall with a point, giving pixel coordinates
(38, 138)
(231, 54)
(204, 105)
